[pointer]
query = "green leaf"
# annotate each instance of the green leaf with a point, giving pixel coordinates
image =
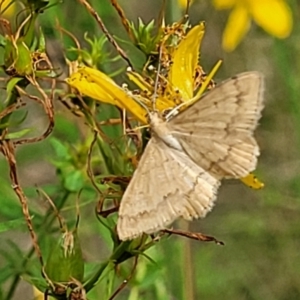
(5, 226)
(74, 181)
(18, 134)
(100, 273)
(17, 122)
(11, 86)
(9, 53)
(61, 150)
(42, 41)
(5, 273)
(38, 282)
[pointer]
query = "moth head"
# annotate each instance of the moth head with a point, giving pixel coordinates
(155, 117)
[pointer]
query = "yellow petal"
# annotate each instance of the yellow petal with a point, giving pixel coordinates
(183, 3)
(185, 60)
(86, 86)
(224, 4)
(205, 84)
(237, 25)
(161, 102)
(99, 86)
(274, 16)
(252, 181)
(139, 81)
(10, 10)
(38, 295)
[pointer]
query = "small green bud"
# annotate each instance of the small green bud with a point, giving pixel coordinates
(23, 63)
(17, 57)
(65, 262)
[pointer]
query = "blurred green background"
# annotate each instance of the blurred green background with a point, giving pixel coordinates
(260, 228)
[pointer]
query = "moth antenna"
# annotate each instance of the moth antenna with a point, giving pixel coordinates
(156, 80)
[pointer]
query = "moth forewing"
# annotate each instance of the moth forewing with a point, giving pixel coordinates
(217, 131)
(166, 185)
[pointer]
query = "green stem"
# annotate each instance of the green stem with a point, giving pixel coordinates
(106, 266)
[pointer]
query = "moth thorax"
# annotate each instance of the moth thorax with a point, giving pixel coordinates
(161, 129)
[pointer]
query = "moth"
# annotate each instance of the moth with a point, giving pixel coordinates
(187, 156)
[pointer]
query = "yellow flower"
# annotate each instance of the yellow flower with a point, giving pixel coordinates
(99, 86)
(178, 84)
(274, 16)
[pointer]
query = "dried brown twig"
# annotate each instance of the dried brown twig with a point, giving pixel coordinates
(7, 148)
(8, 110)
(193, 235)
(47, 103)
(123, 18)
(105, 31)
(125, 282)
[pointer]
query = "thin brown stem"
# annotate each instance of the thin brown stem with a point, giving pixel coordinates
(105, 31)
(193, 235)
(7, 148)
(125, 282)
(62, 223)
(124, 20)
(8, 110)
(47, 104)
